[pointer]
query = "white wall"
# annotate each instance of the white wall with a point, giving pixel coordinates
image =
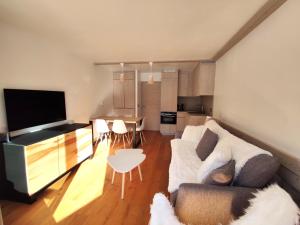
(29, 61)
(104, 91)
(257, 86)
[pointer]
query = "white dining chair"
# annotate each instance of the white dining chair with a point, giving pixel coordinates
(102, 130)
(120, 130)
(140, 129)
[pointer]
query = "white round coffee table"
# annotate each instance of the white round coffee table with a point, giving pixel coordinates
(124, 161)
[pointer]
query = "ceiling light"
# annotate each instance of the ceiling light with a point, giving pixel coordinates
(151, 78)
(122, 73)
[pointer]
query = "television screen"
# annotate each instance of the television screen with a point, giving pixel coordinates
(29, 108)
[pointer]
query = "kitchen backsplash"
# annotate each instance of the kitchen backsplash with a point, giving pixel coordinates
(196, 104)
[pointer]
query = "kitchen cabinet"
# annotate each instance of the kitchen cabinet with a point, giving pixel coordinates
(168, 129)
(181, 120)
(184, 83)
(124, 91)
(169, 88)
(196, 120)
(185, 118)
(129, 94)
(118, 94)
(203, 79)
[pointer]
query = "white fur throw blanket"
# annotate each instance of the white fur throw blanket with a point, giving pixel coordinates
(271, 205)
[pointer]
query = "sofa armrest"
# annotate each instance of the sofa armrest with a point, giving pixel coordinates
(210, 204)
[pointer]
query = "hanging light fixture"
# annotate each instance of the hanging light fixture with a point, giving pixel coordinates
(122, 73)
(150, 78)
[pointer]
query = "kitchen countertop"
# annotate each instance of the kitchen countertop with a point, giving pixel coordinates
(194, 113)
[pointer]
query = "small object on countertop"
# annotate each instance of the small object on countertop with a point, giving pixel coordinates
(202, 109)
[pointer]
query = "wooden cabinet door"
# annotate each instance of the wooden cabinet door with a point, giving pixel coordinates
(196, 120)
(181, 123)
(74, 147)
(207, 79)
(181, 120)
(184, 84)
(124, 91)
(129, 94)
(169, 87)
(168, 129)
(42, 164)
(196, 81)
(203, 79)
(118, 94)
(151, 95)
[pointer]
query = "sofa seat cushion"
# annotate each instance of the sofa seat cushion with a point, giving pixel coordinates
(184, 164)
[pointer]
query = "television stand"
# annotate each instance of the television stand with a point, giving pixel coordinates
(35, 160)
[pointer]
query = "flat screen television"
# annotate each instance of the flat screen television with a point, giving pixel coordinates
(29, 108)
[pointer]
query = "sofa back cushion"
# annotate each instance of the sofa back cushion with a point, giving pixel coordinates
(206, 144)
(242, 151)
(257, 171)
(221, 176)
(219, 157)
(192, 133)
(216, 128)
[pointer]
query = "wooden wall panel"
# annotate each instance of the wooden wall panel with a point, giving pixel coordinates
(118, 94)
(129, 94)
(169, 87)
(151, 95)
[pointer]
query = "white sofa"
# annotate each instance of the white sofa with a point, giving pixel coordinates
(197, 203)
(185, 164)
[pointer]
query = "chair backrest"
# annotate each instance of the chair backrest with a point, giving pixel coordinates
(119, 127)
(143, 124)
(101, 126)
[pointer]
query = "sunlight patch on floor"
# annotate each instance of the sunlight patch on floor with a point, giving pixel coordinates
(86, 185)
(49, 199)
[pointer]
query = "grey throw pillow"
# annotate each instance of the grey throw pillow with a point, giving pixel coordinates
(258, 171)
(207, 144)
(222, 176)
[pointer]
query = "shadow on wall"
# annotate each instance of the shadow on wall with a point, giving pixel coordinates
(105, 107)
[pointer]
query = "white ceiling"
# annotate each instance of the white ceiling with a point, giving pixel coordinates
(133, 30)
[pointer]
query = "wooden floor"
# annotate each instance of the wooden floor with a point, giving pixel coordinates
(86, 196)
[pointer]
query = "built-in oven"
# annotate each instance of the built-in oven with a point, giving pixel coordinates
(168, 117)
